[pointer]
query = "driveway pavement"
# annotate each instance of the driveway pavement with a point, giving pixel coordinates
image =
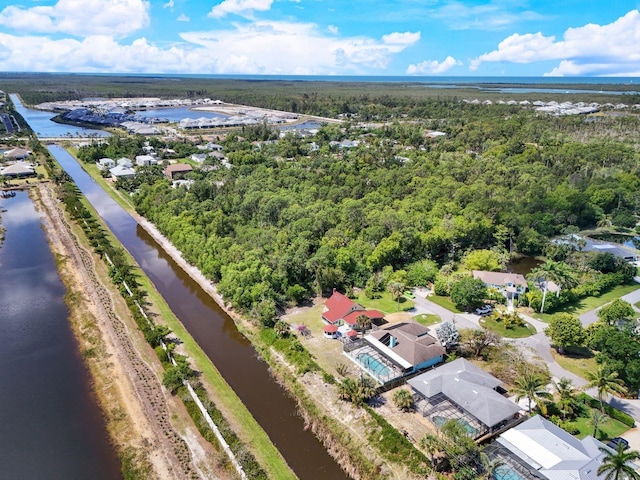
(592, 315)
(540, 344)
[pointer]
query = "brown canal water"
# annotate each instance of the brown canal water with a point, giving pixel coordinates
(216, 333)
(50, 424)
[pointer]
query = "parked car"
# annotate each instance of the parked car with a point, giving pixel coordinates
(484, 310)
(409, 294)
(614, 442)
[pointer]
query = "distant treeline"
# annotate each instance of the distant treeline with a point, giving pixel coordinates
(371, 100)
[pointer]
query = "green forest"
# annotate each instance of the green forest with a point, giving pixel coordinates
(285, 223)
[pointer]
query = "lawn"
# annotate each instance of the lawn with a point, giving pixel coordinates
(587, 304)
(576, 360)
(427, 319)
(516, 332)
(385, 303)
(444, 302)
(607, 430)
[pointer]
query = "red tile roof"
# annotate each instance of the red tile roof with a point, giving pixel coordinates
(330, 328)
(337, 307)
(353, 316)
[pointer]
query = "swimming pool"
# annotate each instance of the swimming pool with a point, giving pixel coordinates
(373, 365)
(471, 430)
(505, 472)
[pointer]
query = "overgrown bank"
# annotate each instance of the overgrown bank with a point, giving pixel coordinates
(121, 271)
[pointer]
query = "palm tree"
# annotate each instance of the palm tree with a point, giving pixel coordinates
(403, 399)
(596, 419)
(489, 466)
(431, 445)
(605, 382)
(363, 323)
(396, 289)
(616, 465)
(281, 328)
(557, 272)
(531, 385)
(566, 396)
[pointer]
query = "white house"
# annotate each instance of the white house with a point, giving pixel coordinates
(511, 285)
(125, 162)
(122, 172)
(146, 160)
(544, 450)
(105, 163)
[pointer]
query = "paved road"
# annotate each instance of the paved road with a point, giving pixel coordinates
(592, 316)
(538, 343)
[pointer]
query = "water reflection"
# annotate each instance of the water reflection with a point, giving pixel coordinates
(50, 424)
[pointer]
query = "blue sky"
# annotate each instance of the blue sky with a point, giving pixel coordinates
(323, 37)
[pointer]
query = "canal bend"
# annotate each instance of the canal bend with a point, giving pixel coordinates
(215, 332)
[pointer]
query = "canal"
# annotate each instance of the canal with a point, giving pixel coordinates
(50, 423)
(216, 333)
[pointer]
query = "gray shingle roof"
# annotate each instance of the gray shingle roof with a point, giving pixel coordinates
(469, 387)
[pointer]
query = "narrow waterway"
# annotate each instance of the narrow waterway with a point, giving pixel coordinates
(216, 333)
(50, 423)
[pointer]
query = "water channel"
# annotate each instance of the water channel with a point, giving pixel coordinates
(216, 333)
(50, 423)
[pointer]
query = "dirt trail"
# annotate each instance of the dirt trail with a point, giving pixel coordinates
(139, 393)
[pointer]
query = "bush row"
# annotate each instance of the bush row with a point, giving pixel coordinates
(120, 271)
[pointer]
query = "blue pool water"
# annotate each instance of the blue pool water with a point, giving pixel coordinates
(505, 472)
(373, 365)
(471, 430)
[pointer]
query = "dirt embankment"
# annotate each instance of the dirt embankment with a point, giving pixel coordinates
(145, 423)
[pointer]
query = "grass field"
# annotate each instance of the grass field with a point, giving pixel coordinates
(607, 430)
(385, 303)
(427, 319)
(576, 360)
(499, 327)
(444, 302)
(587, 304)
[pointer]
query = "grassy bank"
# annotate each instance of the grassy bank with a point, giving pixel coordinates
(587, 304)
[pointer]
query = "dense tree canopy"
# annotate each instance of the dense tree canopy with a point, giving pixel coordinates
(502, 178)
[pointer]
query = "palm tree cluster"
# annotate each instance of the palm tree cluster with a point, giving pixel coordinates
(357, 391)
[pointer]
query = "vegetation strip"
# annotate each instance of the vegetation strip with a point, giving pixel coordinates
(123, 272)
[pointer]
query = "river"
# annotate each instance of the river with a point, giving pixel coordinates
(216, 333)
(50, 423)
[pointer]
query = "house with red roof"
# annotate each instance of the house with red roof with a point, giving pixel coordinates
(341, 310)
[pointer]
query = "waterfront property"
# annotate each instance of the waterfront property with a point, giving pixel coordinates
(395, 351)
(463, 392)
(105, 163)
(511, 285)
(18, 170)
(120, 171)
(16, 153)
(538, 448)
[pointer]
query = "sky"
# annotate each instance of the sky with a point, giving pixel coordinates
(323, 37)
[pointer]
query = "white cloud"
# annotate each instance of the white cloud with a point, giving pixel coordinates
(494, 15)
(589, 50)
(169, 5)
(433, 66)
(406, 38)
(333, 29)
(259, 48)
(79, 17)
(243, 8)
(183, 18)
